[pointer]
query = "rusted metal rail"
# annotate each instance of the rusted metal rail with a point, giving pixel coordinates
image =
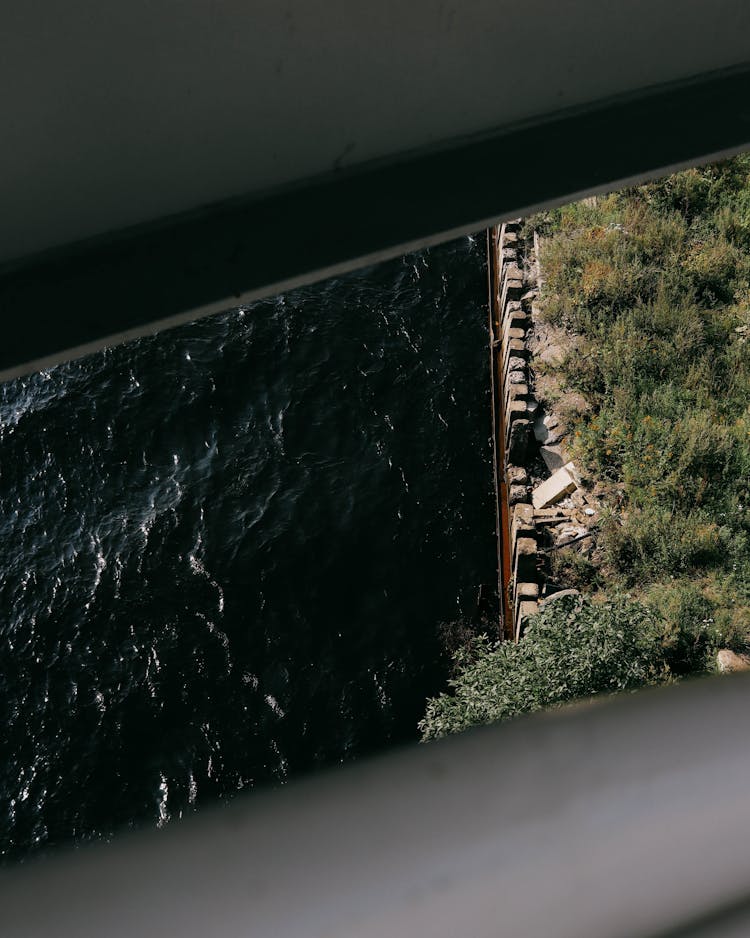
(502, 515)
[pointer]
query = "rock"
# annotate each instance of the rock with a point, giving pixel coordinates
(517, 494)
(553, 355)
(549, 436)
(553, 457)
(589, 511)
(516, 475)
(729, 661)
(558, 595)
(517, 377)
(515, 363)
(518, 441)
(559, 484)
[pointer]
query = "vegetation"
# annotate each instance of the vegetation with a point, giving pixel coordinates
(654, 284)
(572, 649)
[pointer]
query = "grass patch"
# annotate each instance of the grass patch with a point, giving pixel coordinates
(654, 283)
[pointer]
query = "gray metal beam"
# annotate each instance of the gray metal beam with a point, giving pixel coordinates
(116, 115)
(626, 817)
(72, 301)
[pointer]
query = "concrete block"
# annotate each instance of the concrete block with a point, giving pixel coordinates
(522, 519)
(514, 348)
(517, 440)
(511, 333)
(515, 363)
(515, 410)
(512, 288)
(527, 591)
(526, 610)
(516, 319)
(559, 484)
(516, 475)
(517, 493)
(524, 559)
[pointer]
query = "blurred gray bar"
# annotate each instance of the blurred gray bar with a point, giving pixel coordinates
(624, 817)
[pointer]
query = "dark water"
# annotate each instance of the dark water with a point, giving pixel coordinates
(226, 550)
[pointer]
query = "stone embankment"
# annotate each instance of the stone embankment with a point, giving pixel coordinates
(549, 505)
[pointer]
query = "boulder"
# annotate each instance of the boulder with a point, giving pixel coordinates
(548, 430)
(553, 457)
(558, 595)
(729, 661)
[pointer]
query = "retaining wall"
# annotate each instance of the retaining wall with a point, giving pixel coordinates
(517, 290)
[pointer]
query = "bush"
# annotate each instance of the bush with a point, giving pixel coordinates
(572, 649)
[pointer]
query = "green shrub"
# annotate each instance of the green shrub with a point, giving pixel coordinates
(572, 649)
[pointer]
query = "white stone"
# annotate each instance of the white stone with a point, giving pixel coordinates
(559, 484)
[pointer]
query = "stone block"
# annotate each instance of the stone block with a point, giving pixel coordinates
(516, 319)
(553, 457)
(522, 519)
(515, 363)
(526, 610)
(517, 440)
(516, 475)
(511, 290)
(527, 591)
(524, 559)
(517, 493)
(515, 410)
(511, 333)
(559, 484)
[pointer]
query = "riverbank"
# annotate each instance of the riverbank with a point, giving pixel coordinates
(639, 367)
(651, 289)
